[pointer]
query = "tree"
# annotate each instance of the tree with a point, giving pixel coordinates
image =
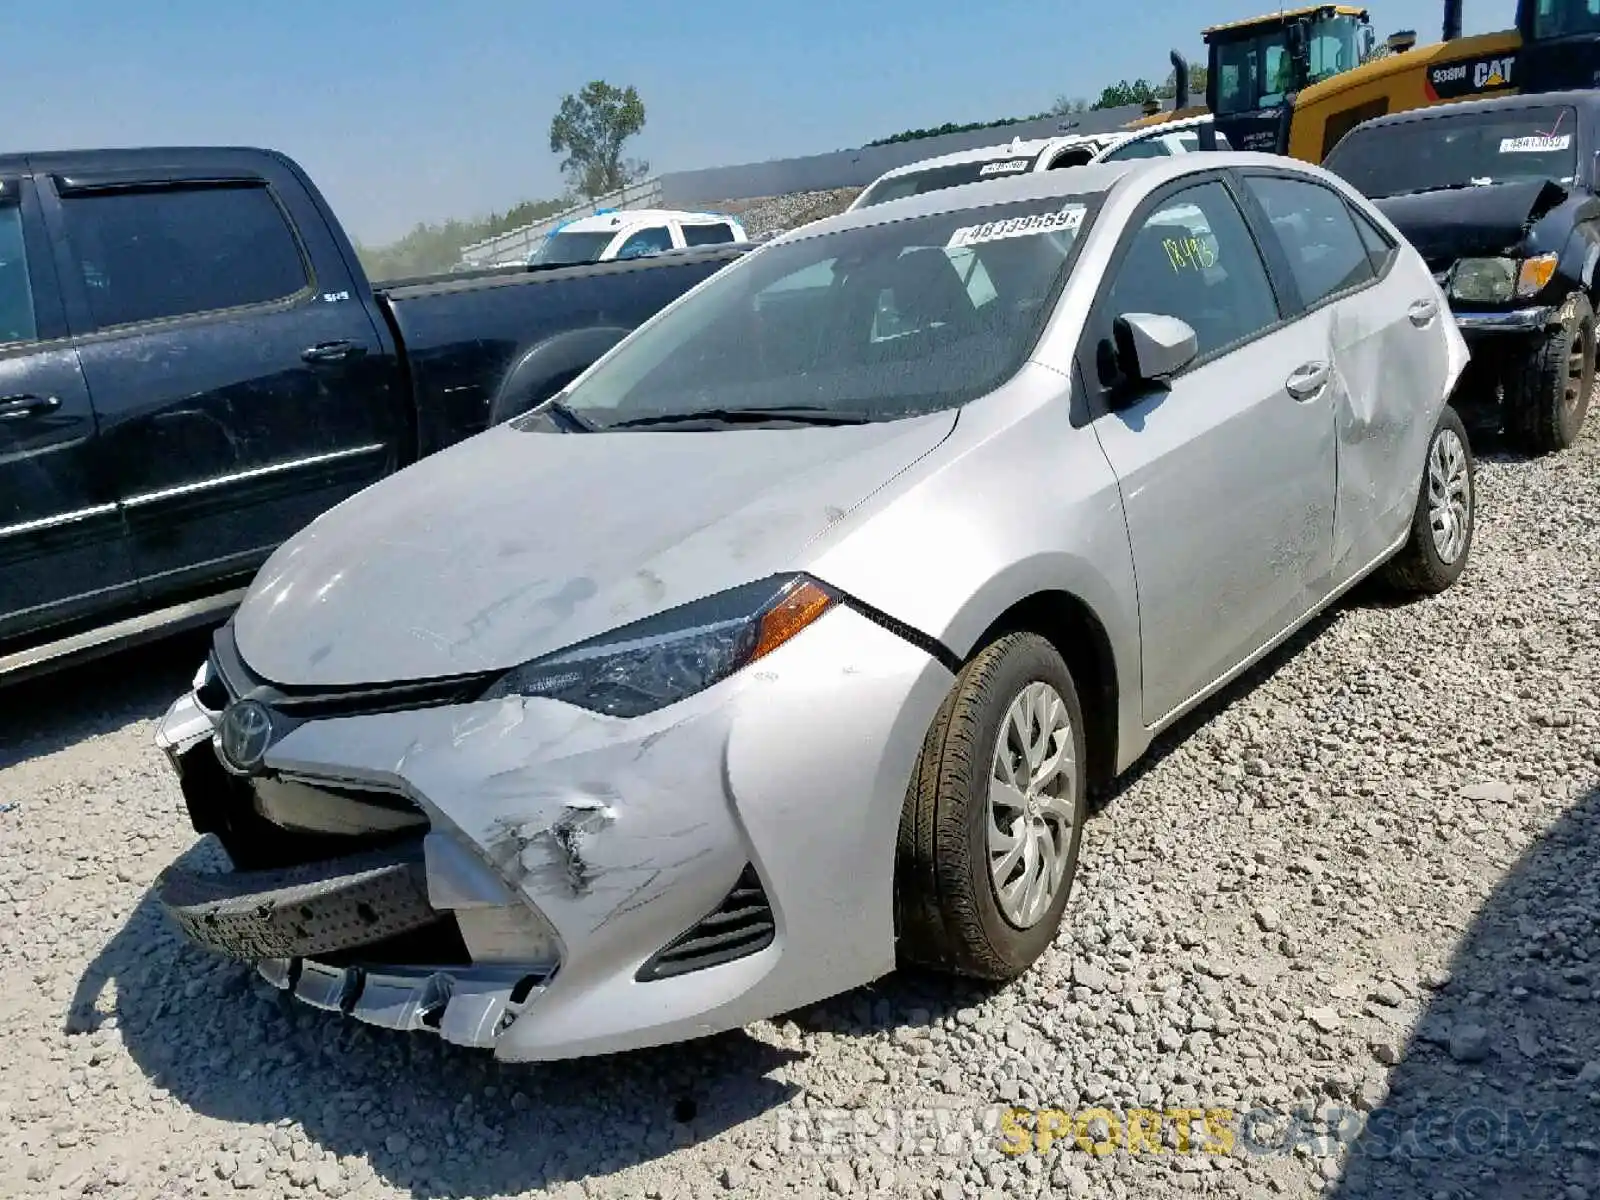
(1197, 85)
(1123, 94)
(1068, 105)
(589, 129)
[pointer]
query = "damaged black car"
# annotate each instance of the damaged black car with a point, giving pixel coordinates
(1500, 197)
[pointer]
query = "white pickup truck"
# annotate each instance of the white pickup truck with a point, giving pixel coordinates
(632, 233)
(1018, 157)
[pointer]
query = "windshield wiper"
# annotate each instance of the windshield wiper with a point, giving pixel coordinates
(567, 417)
(804, 414)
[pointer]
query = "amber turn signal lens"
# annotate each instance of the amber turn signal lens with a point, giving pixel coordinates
(1535, 274)
(803, 605)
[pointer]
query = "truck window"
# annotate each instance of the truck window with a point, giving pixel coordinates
(172, 252)
(707, 235)
(16, 292)
(647, 241)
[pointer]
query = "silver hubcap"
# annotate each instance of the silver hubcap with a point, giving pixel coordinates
(1031, 787)
(1449, 495)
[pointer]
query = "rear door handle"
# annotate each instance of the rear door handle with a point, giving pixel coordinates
(1307, 382)
(17, 408)
(328, 352)
(1423, 312)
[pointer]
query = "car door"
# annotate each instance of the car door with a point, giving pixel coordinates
(1387, 346)
(241, 384)
(63, 547)
(1227, 473)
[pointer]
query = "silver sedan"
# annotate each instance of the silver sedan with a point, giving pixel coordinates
(786, 644)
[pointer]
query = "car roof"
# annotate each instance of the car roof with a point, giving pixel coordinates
(1093, 180)
(1586, 99)
(1016, 148)
(627, 218)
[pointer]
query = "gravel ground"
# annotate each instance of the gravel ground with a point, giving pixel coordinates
(1361, 885)
(778, 214)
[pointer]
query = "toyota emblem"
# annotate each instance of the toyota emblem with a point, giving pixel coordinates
(243, 736)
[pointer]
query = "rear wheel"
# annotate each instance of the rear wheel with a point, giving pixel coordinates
(1551, 389)
(993, 819)
(1442, 523)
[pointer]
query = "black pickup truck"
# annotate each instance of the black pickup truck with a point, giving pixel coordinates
(193, 366)
(1502, 198)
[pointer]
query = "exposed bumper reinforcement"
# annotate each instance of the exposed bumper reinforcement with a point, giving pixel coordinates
(320, 908)
(467, 1006)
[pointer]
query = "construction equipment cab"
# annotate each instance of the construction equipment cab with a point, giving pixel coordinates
(610, 234)
(1256, 67)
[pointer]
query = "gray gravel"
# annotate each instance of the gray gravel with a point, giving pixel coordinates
(778, 214)
(1360, 886)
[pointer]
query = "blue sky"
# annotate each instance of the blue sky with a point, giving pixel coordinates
(411, 110)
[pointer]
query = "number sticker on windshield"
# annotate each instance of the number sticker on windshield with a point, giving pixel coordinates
(1008, 166)
(1534, 145)
(1067, 220)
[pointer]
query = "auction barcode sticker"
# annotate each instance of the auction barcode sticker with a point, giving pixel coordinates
(1067, 220)
(1534, 145)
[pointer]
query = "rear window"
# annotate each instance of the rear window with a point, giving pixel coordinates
(1461, 150)
(936, 179)
(886, 321)
(172, 252)
(707, 235)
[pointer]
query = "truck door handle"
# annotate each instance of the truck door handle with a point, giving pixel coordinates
(16, 408)
(1423, 312)
(328, 352)
(1308, 381)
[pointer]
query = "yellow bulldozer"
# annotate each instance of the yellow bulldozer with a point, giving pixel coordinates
(1297, 81)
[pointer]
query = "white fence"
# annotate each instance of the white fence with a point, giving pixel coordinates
(516, 244)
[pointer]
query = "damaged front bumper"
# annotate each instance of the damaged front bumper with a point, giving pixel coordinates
(1522, 321)
(563, 883)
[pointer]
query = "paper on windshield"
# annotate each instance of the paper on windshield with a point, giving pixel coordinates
(1540, 144)
(1066, 221)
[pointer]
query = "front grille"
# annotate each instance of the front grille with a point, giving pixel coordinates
(741, 925)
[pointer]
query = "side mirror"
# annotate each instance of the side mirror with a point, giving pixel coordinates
(1153, 348)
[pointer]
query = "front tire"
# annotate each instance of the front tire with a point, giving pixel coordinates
(1551, 390)
(993, 818)
(1442, 523)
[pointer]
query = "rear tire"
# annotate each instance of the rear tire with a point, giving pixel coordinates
(999, 789)
(1550, 390)
(1442, 523)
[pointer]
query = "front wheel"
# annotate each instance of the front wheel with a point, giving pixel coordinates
(1551, 390)
(993, 819)
(1441, 525)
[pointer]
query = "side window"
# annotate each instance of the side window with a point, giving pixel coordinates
(1194, 259)
(707, 235)
(647, 241)
(171, 252)
(16, 290)
(1313, 223)
(1379, 248)
(1151, 147)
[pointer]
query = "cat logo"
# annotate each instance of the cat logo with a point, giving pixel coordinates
(1495, 73)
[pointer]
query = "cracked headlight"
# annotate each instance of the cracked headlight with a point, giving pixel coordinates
(671, 656)
(1484, 280)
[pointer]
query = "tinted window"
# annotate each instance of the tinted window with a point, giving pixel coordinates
(647, 241)
(565, 249)
(1194, 259)
(171, 252)
(707, 235)
(1147, 148)
(16, 293)
(1314, 226)
(1379, 248)
(1561, 18)
(884, 321)
(1482, 147)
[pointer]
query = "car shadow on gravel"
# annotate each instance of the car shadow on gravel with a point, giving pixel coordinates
(1498, 1094)
(52, 712)
(431, 1118)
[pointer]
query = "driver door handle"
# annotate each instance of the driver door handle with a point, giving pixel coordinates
(15, 408)
(330, 352)
(1423, 312)
(1308, 381)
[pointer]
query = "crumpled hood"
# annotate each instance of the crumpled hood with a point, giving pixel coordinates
(1471, 222)
(514, 544)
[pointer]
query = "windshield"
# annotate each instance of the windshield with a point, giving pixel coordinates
(1459, 151)
(935, 179)
(1559, 18)
(1257, 72)
(893, 320)
(565, 249)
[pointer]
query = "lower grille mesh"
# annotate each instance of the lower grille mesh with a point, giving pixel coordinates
(741, 925)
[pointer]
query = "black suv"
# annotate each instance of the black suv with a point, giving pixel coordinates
(1499, 196)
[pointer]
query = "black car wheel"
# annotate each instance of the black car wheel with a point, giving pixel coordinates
(1551, 389)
